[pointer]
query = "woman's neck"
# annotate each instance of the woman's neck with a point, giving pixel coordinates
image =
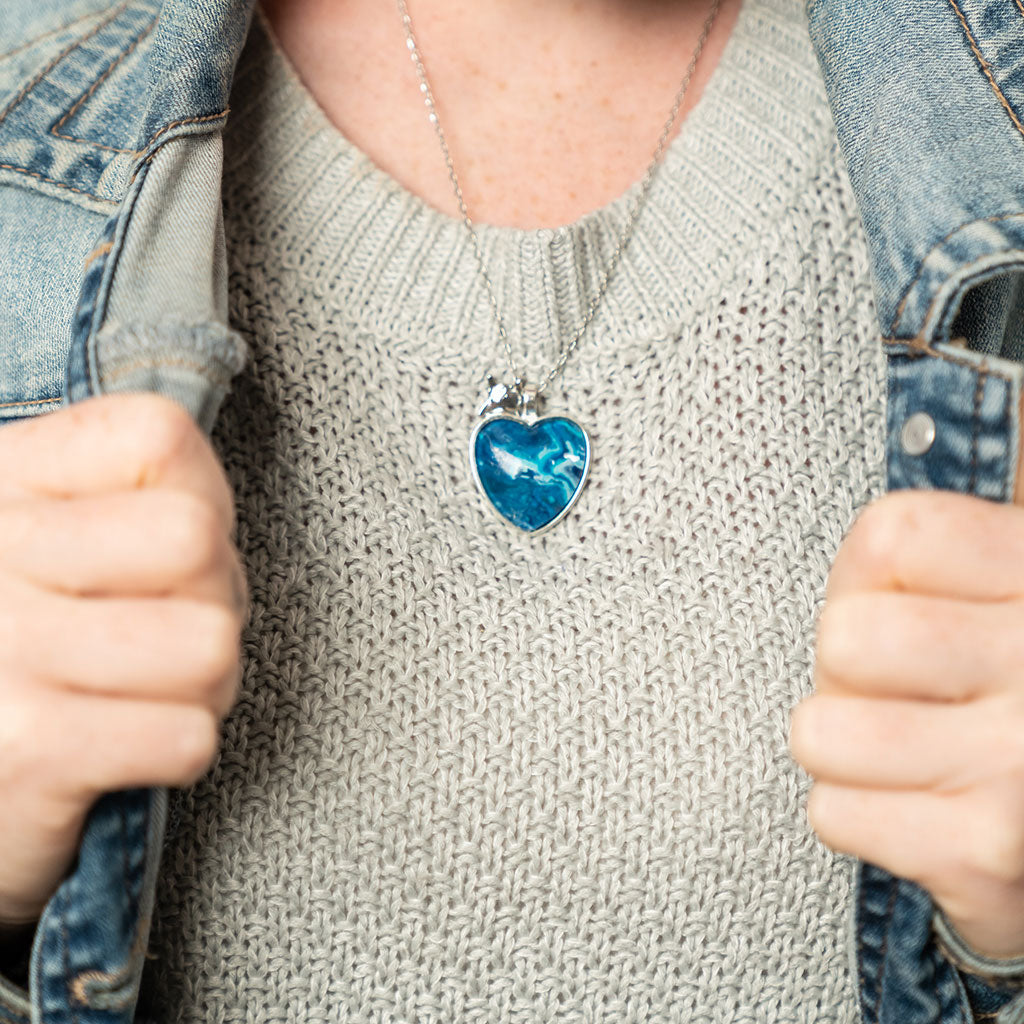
(550, 109)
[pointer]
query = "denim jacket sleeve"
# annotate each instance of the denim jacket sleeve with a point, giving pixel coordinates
(110, 166)
(928, 100)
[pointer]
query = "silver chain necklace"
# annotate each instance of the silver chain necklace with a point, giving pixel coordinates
(531, 470)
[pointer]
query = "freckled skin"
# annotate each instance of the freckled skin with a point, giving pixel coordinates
(551, 110)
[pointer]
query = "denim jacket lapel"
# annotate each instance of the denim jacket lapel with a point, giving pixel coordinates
(152, 314)
(928, 101)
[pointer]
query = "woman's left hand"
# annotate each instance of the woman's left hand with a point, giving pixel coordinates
(915, 734)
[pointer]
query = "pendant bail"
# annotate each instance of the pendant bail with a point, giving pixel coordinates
(528, 399)
(519, 399)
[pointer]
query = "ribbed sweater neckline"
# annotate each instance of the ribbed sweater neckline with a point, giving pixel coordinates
(403, 269)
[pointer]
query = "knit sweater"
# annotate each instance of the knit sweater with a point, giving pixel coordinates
(477, 776)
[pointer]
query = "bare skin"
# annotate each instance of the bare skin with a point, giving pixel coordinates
(551, 110)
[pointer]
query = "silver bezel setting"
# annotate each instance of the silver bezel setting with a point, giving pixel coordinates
(530, 419)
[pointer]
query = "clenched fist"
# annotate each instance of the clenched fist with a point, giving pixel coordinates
(915, 735)
(122, 599)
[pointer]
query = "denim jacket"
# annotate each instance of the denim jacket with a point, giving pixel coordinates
(113, 278)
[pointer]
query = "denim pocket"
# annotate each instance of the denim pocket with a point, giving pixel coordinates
(46, 245)
(68, 107)
(953, 419)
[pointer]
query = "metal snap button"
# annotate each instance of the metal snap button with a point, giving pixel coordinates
(918, 433)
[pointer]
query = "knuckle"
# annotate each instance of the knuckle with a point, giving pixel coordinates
(802, 732)
(229, 500)
(1006, 747)
(878, 535)
(217, 650)
(1014, 739)
(993, 736)
(222, 692)
(21, 728)
(818, 814)
(165, 426)
(196, 743)
(231, 691)
(240, 583)
(193, 534)
(995, 847)
(22, 614)
(10, 631)
(1008, 641)
(839, 634)
(18, 520)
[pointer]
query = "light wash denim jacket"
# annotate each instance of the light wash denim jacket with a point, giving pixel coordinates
(113, 278)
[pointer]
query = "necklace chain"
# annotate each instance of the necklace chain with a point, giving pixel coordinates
(627, 232)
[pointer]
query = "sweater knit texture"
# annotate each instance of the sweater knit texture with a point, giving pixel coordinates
(475, 776)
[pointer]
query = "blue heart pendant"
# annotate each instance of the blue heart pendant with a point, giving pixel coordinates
(531, 472)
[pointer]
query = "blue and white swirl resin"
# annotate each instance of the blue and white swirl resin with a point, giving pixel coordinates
(531, 472)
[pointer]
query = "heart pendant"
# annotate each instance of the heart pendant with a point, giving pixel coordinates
(531, 471)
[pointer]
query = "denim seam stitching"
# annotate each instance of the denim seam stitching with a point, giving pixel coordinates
(860, 944)
(95, 85)
(1007, 417)
(29, 401)
(29, 86)
(59, 184)
(923, 348)
(177, 124)
(80, 984)
(67, 962)
(987, 71)
(986, 68)
(101, 250)
(191, 364)
(124, 842)
(885, 944)
(899, 386)
(12, 1015)
(938, 245)
(49, 32)
(152, 138)
(82, 992)
(99, 279)
(979, 395)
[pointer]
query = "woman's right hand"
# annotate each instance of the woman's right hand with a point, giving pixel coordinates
(122, 599)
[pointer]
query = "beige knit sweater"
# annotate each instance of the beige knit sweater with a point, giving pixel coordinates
(478, 777)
